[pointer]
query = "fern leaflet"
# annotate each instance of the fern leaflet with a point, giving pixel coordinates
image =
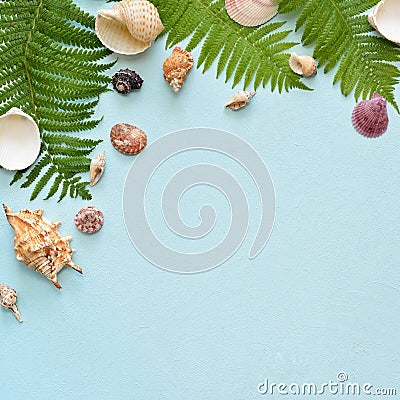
(51, 69)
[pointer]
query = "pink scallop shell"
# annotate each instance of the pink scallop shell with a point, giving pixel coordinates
(370, 117)
(251, 12)
(89, 219)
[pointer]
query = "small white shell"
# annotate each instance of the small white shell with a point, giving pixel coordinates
(129, 26)
(303, 65)
(251, 12)
(239, 100)
(19, 140)
(385, 18)
(8, 299)
(97, 167)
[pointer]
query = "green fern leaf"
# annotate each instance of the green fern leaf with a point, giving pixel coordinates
(244, 53)
(52, 69)
(342, 37)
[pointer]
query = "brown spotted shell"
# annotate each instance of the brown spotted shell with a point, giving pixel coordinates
(128, 139)
(176, 67)
(89, 219)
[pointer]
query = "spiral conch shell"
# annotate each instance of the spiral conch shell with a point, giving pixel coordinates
(97, 167)
(303, 65)
(129, 26)
(176, 67)
(8, 299)
(239, 100)
(39, 245)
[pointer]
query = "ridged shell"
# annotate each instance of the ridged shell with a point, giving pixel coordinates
(8, 299)
(128, 139)
(303, 65)
(89, 219)
(126, 80)
(19, 140)
(97, 167)
(385, 18)
(39, 245)
(251, 12)
(176, 67)
(129, 26)
(239, 100)
(370, 117)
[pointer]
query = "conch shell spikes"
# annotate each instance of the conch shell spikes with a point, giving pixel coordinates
(39, 245)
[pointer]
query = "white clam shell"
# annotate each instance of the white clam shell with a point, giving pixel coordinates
(385, 18)
(251, 12)
(19, 140)
(129, 26)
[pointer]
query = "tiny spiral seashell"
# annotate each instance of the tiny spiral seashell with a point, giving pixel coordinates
(89, 219)
(176, 67)
(9, 298)
(97, 167)
(251, 12)
(126, 80)
(239, 100)
(128, 139)
(303, 65)
(370, 117)
(129, 26)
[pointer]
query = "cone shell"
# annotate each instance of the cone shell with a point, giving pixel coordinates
(128, 139)
(176, 67)
(89, 219)
(39, 245)
(97, 167)
(251, 12)
(370, 117)
(239, 100)
(129, 26)
(385, 18)
(19, 140)
(8, 299)
(303, 65)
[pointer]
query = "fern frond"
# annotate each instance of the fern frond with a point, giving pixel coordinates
(342, 37)
(52, 69)
(244, 53)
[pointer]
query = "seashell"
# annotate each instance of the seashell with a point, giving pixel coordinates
(97, 167)
(370, 117)
(19, 140)
(126, 80)
(176, 67)
(89, 219)
(385, 18)
(8, 298)
(240, 99)
(39, 245)
(251, 12)
(128, 139)
(129, 26)
(303, 65)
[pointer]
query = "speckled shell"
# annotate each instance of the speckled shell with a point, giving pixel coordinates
(370, 117)
(251, 12)
(89, 219)
(176, 67)
(303, 65)
(129, 26)
(128, 139)
(97, 167)
(8, 299)
(239, 100)
(39, 245)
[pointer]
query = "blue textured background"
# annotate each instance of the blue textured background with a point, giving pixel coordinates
(322, 297)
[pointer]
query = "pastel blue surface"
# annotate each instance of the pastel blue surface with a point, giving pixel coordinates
(322, 297)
